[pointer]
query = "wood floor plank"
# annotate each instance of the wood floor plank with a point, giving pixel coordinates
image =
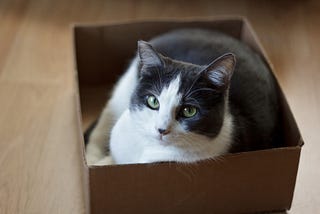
(11, 15)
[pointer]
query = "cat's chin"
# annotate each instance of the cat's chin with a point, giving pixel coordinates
(162, 140)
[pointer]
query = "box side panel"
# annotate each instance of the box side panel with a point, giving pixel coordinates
(251, 182)
(250, 38)
(89, 54)
(290, 128)
(291, 133)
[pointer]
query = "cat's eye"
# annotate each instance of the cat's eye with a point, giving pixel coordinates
(153, 102)
(189, 111)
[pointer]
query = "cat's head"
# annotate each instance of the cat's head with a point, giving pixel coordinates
(174, 99)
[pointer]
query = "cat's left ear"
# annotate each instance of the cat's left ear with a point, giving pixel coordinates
(220, 71)
(148, 56)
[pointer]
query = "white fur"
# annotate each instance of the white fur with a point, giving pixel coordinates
(169, 100)
(135, 138)
(99, 138)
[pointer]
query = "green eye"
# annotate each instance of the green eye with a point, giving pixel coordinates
(189, 111)
(152, 102)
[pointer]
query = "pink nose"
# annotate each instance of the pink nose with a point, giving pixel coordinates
(164, 131)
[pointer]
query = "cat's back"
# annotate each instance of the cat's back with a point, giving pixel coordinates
(252, 95)
(198, 46)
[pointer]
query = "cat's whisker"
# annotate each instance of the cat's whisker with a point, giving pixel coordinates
(201, 89)
(196, 102)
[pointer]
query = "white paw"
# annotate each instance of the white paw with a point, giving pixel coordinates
(93, 154)
(91, 159)
(107, 160)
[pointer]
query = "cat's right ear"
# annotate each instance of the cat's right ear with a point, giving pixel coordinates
(148, 56)
(220, 71)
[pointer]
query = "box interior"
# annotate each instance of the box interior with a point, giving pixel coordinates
(104, 52)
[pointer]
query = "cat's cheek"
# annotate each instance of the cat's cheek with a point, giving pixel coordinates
(180, 128)
(144, 118)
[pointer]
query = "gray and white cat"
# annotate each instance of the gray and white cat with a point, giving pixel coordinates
(188, 95)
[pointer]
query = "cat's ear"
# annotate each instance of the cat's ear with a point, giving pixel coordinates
(220, 71)
(148, 56)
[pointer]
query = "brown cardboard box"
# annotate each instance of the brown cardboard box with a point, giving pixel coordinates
(236, 183)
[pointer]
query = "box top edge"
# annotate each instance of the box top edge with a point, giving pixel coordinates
(226, 156)
(239, 18)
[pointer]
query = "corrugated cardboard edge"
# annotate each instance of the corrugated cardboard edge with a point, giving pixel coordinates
(178, 20)
(85, 175)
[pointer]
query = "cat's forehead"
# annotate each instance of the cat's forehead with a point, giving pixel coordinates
(170, 95)
(180, 76)
(181, 68)
(185, 72)
(172, 89)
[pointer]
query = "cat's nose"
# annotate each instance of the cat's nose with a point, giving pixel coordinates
(164, 131)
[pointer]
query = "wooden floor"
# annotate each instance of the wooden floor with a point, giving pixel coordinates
(40, 159)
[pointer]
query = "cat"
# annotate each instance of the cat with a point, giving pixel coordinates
(188, 95)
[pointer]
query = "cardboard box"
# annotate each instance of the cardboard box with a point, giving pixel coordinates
(235, 183)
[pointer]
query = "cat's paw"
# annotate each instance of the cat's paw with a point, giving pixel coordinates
(149, 160)
(93, 154)
(156, 156)
(91, 159)
(107, 160)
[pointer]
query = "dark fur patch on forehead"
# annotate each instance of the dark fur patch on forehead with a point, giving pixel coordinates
(162, 76)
